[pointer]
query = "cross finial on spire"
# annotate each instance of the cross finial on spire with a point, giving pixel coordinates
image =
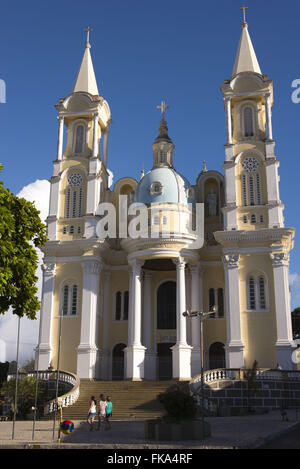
(244, 8)
(87, 30)
(163, 106)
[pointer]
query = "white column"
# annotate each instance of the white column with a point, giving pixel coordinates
(234, 346)
(268, 116)
(195, 306)
(228, 121)
(87, 349)
(95, 136)
(105, 371)
(60, 137)
(150, 356)
(43, 350)
(230, 217)
(275, 207)
(284, 343)
(181, 351)
(104, 147)
(135, 351)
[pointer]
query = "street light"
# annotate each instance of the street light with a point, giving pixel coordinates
(202, 316)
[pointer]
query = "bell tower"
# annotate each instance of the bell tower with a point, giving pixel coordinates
(251, 167)
(80, 175)
(255, 242)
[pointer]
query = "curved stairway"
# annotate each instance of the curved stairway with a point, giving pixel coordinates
(131, 400)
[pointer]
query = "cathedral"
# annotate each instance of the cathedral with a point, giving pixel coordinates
(113, 298)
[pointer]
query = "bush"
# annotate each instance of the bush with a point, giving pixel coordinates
(178, 404)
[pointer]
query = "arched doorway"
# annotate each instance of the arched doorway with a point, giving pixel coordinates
(118, 362)
(166, 320)
(216, 356)
(164, 359)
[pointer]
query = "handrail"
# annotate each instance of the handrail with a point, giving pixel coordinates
(64, 376)
(221, 374)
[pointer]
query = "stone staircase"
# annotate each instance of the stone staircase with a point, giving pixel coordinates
(131, 400)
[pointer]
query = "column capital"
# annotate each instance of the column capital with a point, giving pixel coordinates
(196, 268)
(231, 261)
(92, 267)
(48, 269)
(280, 259)
(136, 264)
(60, 118)
(107, 274)
(180, 262)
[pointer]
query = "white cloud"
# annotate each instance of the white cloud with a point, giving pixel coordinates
(39, 193)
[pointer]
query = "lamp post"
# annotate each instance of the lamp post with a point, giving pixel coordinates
(17, 379)
(202, 316)
(57, 373)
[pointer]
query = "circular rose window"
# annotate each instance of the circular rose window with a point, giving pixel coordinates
(250, 164)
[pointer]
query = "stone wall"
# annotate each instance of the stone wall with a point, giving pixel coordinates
(265, 394)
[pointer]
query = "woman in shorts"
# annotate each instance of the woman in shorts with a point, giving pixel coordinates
(108, 413)
(92, 413)
(102, 410)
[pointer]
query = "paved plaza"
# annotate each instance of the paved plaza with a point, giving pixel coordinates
(227, 432)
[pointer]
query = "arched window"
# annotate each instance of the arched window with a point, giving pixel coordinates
(166, 306)
(251, 181)
(256, 294)
(69, 300)
(248, 121)
(79, 139)
(74, 196)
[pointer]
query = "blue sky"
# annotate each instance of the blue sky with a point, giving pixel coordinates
(143, 52)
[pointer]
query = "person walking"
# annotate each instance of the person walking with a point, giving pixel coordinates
(92, 413)
(102, 411)
(108, 413)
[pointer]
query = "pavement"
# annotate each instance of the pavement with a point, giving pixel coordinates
(226, 433)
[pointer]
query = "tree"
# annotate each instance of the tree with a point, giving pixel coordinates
(296, 323)
(26, 394)
(28, 366)
(21, 231)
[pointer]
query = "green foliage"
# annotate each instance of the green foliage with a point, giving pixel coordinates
(178, 404)
(28, 366)
(296, 323)
(3, 372)
(26, 393)
(21, 230)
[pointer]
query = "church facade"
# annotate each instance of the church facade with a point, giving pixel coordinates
(113, 299)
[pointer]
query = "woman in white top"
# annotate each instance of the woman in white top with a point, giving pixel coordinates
(102, 411)
(92, 413)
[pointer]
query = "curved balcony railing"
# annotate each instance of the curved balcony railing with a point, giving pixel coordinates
(65, 377)
(222, 374)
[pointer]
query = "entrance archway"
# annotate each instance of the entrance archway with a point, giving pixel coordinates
(164, 361)
(216, 356)
(118, 362)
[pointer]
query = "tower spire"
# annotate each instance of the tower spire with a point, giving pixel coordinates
(245, 60)
(86, 79)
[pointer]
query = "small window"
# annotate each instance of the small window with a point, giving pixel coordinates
(64, 230)
(253, 218)
(245, 219)
(126, 305)
(72, 229)
(252, 296)
(261, 218)
(248, 122)
(220, 303)
(69, 300)
(156, 188)
(118, 306)
(79, 136)
(65, 300)
(262, 293)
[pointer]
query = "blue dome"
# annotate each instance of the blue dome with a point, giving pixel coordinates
(163, 185)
